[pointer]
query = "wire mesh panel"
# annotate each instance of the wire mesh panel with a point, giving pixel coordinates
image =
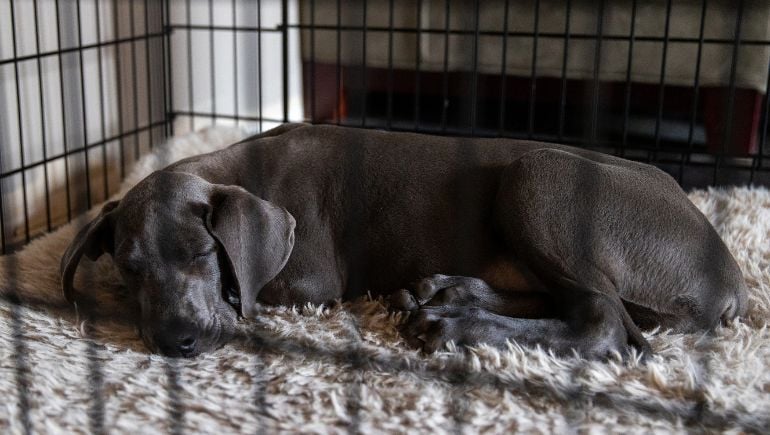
(82, 89)
(681, 84)
(233, 62)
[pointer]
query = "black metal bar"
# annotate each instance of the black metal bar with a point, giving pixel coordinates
(696, 92)
(629, 68)
(353, 404)
(42, 119)
(83, 107)
(175, 405)
(119, 85)
(60, 51)
(565, 58)
(168, 94)
(72, 152)
(2, 214)
(259, 63)
(389, 120)
(597, 66)
(312, 61)
(96, 381)
(364, 82)
(285, 57)
(417, 61)
(533, 72)
(21, 131)
(235, 65)
(147, 65)
(474, 86)
(63, 113)
(22, 391)
(731, 95)
(103, 123)
(212, 64)
(553, 35)
(20, 360)
(226, 116)
(662, 80)
(503, 66)
(339, 61)
(248, 29)
(445, 75)
(190, 102)
(260, 391)
(763, 131)
(134, 77)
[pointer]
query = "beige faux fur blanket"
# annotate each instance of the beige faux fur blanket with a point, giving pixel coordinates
(345, 368)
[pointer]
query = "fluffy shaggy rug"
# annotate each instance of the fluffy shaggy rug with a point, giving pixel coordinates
(343, 368)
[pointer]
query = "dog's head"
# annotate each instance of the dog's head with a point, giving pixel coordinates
(196, 254)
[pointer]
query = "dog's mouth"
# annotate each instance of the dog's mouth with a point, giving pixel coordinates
(207, 340)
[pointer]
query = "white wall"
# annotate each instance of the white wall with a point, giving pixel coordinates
(250, 66)
(125, 95)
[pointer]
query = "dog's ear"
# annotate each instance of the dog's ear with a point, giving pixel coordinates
(257, 237)
(93, 240)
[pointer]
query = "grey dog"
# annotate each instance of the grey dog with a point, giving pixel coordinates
(482, 240)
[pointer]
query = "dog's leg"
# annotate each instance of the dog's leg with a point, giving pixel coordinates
(468, 312)
(592, 328)
(594, 234)
(622, 229)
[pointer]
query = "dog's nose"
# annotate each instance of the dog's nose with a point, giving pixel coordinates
(177, 339)
(187, 345)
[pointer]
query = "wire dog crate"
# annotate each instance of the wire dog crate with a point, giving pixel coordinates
(88, 86)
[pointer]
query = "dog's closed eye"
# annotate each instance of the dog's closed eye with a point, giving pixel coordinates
(204, 253)
(230, 292)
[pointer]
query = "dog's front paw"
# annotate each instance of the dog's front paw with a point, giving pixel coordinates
(428, 329)
(432, 328)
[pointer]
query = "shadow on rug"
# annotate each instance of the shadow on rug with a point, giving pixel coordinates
(333, 369)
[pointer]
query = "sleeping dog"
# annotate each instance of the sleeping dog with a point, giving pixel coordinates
(482, 240)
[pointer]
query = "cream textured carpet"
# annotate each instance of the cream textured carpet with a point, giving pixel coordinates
(345, 368)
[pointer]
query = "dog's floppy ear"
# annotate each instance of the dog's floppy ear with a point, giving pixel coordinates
(93, 240)
(257, 237)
